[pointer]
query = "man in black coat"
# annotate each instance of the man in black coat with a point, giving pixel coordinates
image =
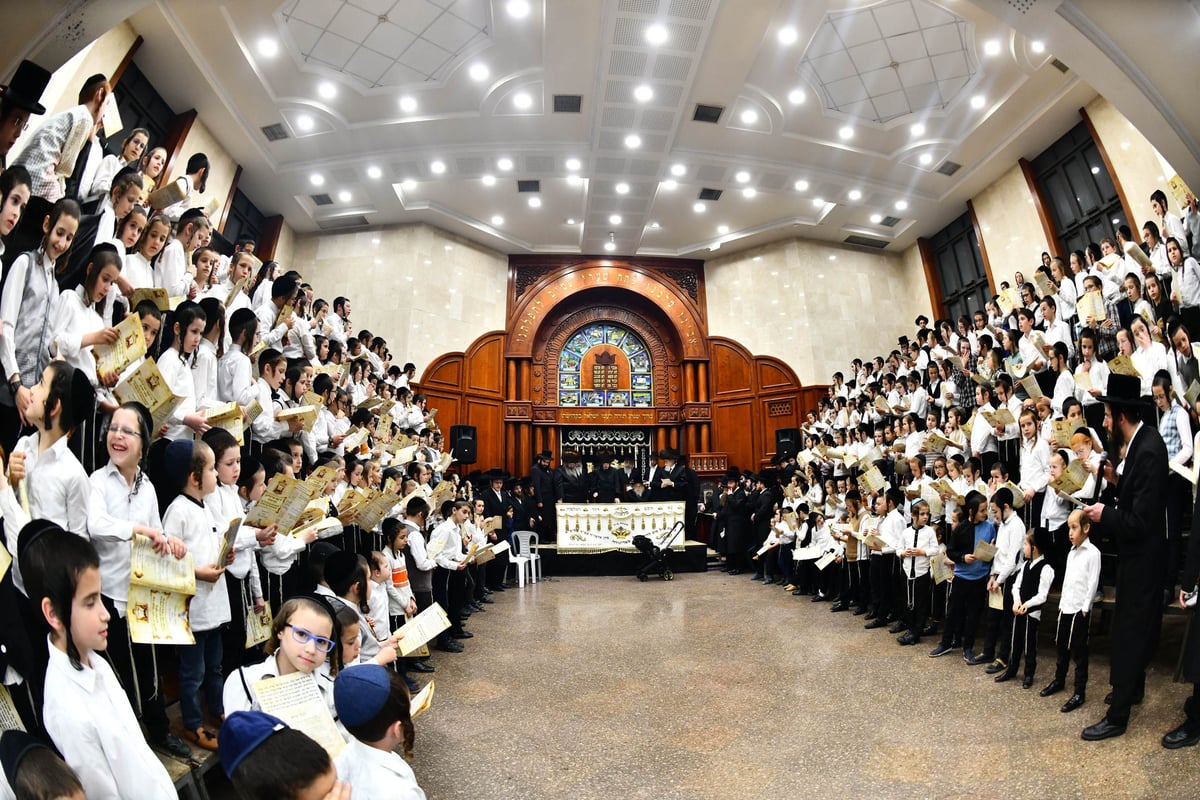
(1138, 526)
(604, 482)
(570, 481)
(541, 478)
(1188, 734)
(496, 503)
(734, 519)
(628, 473)
(676, 481)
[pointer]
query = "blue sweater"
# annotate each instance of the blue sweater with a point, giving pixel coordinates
(984, 532)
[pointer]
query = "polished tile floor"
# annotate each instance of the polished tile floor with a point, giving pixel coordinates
(715, 687)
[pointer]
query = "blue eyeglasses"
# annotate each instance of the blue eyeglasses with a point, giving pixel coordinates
(303, 637)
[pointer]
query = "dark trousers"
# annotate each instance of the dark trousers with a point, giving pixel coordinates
(1000, 623)
(882, 593)
(1179, 495)
(1024, 642)
(787, 569)
(1072, 640)
(200, 668)
(1009, 451)
(853, 586)
(916, 612)
(134, 665)
(964, 607)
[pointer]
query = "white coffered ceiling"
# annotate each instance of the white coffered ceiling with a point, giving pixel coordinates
(836, 115)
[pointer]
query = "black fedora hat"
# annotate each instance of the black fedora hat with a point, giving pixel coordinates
(26, 87)
(544, 455)
(669, 454)
(1124, 390)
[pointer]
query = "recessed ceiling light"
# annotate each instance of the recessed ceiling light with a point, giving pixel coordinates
(977, 101)
(327, 90)
(614, 219)
(344, 196)
(408, 183)
(610, 246)
(522, 100)
(574, 180)
(787, 35)
(497, 219)
(654, 226)
(699, 208)
(437, 167)
(818, 202)
(1095, 170)
(742, 177)
(846, 132)
(917, 129)
(749, 192)
(855, 194)
(408, 104)
(374, 172)
(573, 164)
(800, 185)
(517, 9)
(535, 202)
(901, 205)
(479, 71)
(570, 220)
(992, 47)
(831, 258)
(876, 219)
(657, 34)
(504, 164)
(316, 179)
(722, 229)
(633, 141)
(669, 185)
(488, 180)
(268, 47)
(797, 96)
(926, 159)
(622, 188)
(678, 170)
(1038, 46)
(304, 122)
(643, 94)
(749, 116)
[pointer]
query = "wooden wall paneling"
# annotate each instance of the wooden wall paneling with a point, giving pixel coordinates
(233, 187)
(1039, 203)
(983, 253)
(485, 365)
(447, 404)
(268, 238)
(773, 374)
(180, 129)
(487, 417)
(732, 431)
(126, 61)
(937, 300)
(446, 370)
(731, 371)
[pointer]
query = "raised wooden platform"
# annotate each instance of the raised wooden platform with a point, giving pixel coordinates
(693, 558)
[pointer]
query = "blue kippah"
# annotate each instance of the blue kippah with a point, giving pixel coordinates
(360, 692)
(242, 733)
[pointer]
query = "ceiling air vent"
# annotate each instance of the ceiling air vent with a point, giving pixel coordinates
(321, 199)
(336, 223)
(529, 186)
(708, 113)
(568, 103)
(949, 167)
(889, 222)
(710, 194)
(274, 132)
(866, 241)
(1060, 66)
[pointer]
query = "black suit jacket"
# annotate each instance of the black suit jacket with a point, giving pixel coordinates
(1138, 525)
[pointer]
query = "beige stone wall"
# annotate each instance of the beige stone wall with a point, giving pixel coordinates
(1135, 161)
(814, 305)
(425, 291)
(285, 248)
(1010, 227)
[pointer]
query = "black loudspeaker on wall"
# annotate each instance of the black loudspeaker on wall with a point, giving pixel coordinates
(787, 441)
(462, 441)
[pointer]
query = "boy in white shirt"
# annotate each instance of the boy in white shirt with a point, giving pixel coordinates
(1079, 586)
(919, 542)
(373, 704)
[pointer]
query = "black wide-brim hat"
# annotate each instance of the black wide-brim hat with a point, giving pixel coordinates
(1124, 391)
(26, 87)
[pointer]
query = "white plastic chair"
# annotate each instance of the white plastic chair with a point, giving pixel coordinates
(529, 549)
(517, 560)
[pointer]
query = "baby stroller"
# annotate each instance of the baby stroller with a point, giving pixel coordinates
(658, 555)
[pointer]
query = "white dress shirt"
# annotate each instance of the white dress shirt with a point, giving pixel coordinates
(225, 506)
(1035, 603)
(71, 321)
(373, 773)
(178, 374)
(171, 270)
(446, 545)
(87, 714)
(1081, 580)
(204, 375)
(235, 378)
(113, 510)
(923, 539)
(192, 521)
(1010, 538)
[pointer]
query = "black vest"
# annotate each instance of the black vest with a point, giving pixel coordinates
(1031, 579)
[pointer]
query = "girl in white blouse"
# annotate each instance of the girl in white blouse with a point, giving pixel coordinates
(208, 354)
(176, 363)
(124, 505)
(85, 710)
(139, 264)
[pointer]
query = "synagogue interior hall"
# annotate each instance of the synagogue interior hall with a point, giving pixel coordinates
(723, 398)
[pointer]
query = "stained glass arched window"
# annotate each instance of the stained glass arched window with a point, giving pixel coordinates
(605, 365)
